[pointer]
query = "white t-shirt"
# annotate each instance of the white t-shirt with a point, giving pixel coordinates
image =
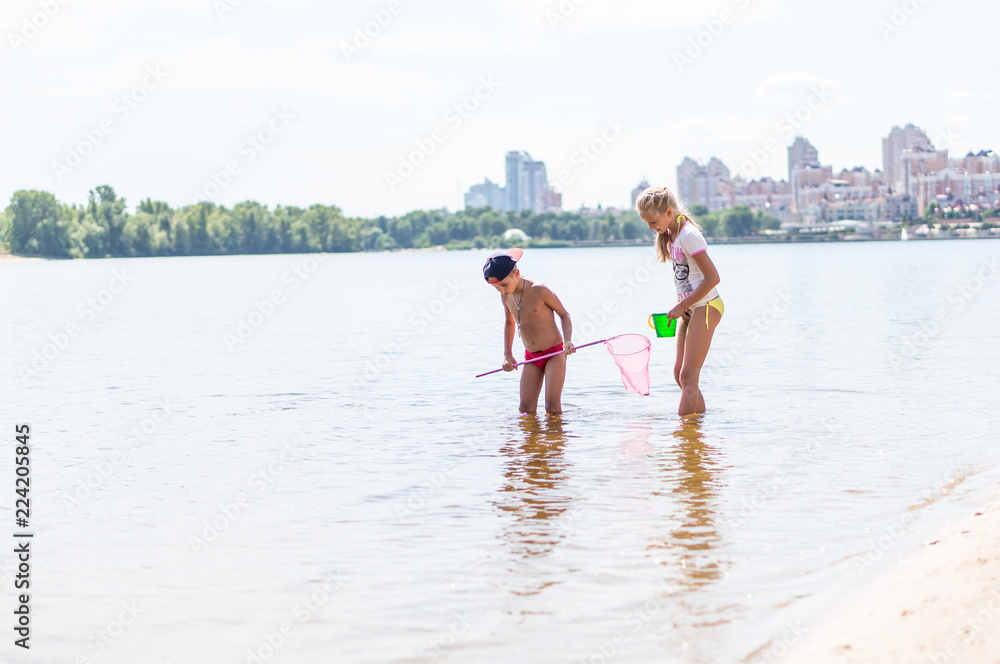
(687, 275)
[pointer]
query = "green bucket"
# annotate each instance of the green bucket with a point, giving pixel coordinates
(664, 326)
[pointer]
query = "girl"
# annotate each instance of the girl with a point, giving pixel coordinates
(699, 306)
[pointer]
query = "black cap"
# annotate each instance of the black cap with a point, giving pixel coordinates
(501, 264)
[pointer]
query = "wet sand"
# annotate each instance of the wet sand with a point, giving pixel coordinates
(941, 604)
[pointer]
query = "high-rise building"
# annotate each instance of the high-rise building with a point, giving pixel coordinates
(805, 176)
(515, 179)
(527, 188)
(528, 185)
(486, 194)
(535, 186)
(637, 192)
(799, 152)
(920, 159)
(907, 138)
(706, 185)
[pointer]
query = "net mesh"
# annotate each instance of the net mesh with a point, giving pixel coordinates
(631, 354)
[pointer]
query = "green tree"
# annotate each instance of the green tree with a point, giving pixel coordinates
(492, 223)
(401, 231)
(709, 224)
(36, 224)
(373, 238)
(143, 236)
(738, 222)
(108, 212)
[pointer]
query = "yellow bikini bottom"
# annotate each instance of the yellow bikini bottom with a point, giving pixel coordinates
(717, 305)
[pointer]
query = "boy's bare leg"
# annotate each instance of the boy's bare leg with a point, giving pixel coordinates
(696, 344)
(531, 385)
(555, 376)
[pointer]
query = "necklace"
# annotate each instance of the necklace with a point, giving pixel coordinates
(518, 301)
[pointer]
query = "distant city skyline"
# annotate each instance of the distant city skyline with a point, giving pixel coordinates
(527, 188)
(914, 174)
(298, 102)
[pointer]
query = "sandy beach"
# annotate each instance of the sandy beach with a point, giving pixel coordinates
(939, 605)
(13, 257)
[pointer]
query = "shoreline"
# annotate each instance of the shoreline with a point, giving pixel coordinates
(17, 257)
(938, 605)
(556, 244)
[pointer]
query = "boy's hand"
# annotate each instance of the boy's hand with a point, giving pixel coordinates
(569, 348)
(508, 363)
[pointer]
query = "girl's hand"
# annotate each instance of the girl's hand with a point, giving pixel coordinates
(508, 363)
(678, 311)
(569, 348)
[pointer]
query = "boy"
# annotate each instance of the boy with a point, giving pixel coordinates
(530, 308)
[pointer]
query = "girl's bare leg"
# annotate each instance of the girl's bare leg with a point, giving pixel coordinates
(696, 344)
(531, 385)
(679, 362)
(555, 376)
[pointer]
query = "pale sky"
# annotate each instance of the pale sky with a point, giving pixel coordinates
(200, 77)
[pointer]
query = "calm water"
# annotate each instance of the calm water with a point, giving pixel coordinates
(327, 482)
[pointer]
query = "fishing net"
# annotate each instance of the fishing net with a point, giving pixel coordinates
(631, 354)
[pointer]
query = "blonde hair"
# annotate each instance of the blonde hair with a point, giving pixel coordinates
(658, 200)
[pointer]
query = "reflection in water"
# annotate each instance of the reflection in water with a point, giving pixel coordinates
(691, 466)
(531, 492)
(637, 446)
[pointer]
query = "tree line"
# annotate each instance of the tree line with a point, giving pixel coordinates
(36, 223)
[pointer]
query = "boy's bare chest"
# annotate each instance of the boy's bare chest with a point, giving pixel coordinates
(526, 308)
